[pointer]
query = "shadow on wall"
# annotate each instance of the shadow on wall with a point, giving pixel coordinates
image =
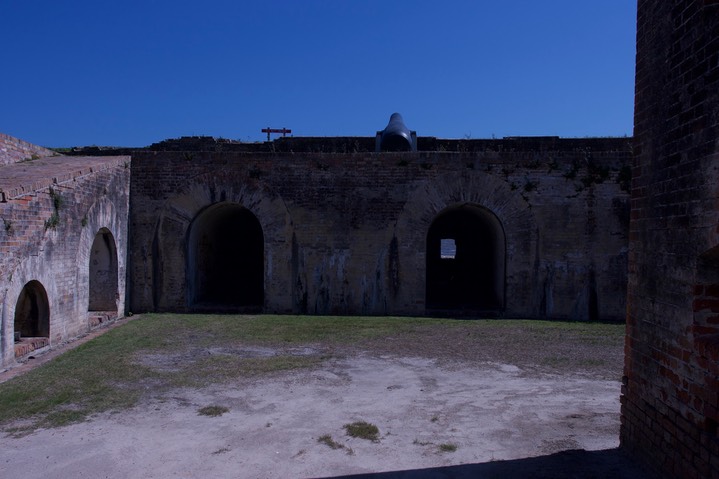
(562, 465)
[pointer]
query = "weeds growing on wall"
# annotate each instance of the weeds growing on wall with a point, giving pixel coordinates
(571, 173)
(624, 178)
(52, 221)
(530, 185)
(57, 202)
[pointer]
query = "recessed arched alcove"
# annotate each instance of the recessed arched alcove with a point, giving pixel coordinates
(103, 279)
(465, 260)
(225, 259)
(32, 312)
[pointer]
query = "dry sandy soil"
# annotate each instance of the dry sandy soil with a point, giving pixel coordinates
(504, 420)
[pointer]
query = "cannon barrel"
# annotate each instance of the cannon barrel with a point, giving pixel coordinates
(396, 136)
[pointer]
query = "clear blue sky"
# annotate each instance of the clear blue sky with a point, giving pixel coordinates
(133, 72)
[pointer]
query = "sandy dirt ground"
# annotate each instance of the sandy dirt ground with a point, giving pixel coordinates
(496, 415)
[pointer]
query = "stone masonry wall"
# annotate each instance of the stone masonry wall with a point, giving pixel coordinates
(670, 402)
(50, 211)
(346, 233)
(13, 150)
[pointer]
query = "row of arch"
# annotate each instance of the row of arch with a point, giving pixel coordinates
(465, 259)
(32, 309)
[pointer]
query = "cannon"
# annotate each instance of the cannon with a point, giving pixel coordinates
(396, 136)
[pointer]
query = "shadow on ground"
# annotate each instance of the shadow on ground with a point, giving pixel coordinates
(574, 464)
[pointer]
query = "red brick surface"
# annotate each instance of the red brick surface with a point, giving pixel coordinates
(671, 393)
(50, 211)
(29, 345)
(13, 150)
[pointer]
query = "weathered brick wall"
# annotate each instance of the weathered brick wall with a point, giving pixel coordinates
(671, 395)
(13, 150)
(346, 232)
(50, 212)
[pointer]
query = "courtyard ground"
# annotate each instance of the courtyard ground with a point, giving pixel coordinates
(273, 397)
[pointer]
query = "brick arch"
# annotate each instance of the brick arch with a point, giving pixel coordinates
(493, 194)
(103, 284)
(102, 218)
(471, 275)
(32, 311)
(225, 259)
(34, 268)
(168, 273)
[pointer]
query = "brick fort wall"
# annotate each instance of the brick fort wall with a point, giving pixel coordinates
(345, 232)
(13, 150)
(52, 209)
(670, 403)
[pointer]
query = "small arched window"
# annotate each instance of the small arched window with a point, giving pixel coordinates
(32, 312)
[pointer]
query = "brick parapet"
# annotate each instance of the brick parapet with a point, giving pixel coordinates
(25, 178)
(349, 145)
(13, 150)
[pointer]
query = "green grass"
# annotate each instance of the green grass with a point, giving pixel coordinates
(97, 376)
(363, 430)
(447, 447)
(212, 411)
(329, 442)
(332, 444)
(118, 369)
(104, 374)
(288, 330)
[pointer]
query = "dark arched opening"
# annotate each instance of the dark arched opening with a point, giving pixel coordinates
(466, 261)
(103, 273)
(32, 312)
(226, 259)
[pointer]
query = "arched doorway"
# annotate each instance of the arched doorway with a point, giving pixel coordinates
(103, 287)
(466, 261)
(225, 260)
(32, 312)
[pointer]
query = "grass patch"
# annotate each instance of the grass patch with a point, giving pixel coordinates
(332, 444)
(417, 442)
(362, 430)
(107, 373)
(329, 442)
(95, 377)
(154, 353)
(592, 362)
(555, 360)
(212, 411)
(447, 447)
(207, 329)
